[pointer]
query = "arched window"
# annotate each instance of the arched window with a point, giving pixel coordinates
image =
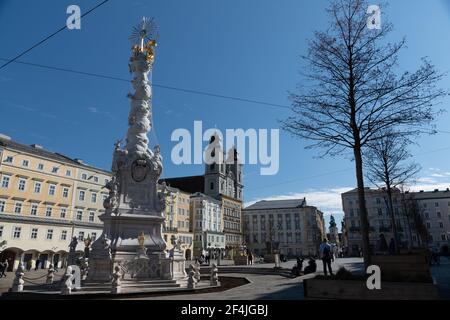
(211, 185)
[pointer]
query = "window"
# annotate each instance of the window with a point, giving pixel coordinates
(9, 159)
(438, 214)
(93, 236)
(428, 225)
(2, 206)
(91, 216)
(81, 195)
(16, 232)
(104, 196)
(93, 197)
(21, 185)
(49, 234)
(1, 231)
(63, 235)
(51, 190)
(62, 213)
(68, 173)
(18, 207)
(79, 215)
(81, 236)
(84, 176)
(55, 170)
(48, 212)
(34, 233)
(443, 237)
(5, 181)
(436, 204)
(95, 179)
(441, 225)
(211, 185)
(37, 187)
(65, 192)
(34, 208)
(25, 163)
(380, 211)
(40, 166)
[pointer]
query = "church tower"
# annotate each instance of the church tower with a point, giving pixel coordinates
(215, 171)
(236, 168)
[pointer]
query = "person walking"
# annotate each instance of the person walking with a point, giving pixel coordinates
(250, 258)
(382, 245)
(4, 268)
(37, 264)
(325, 255)
(392, 248)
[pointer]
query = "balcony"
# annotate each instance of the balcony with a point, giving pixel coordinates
(170, 229)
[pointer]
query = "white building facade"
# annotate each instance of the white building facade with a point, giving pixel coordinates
(207, 224)
(434, 208)
(297, 228)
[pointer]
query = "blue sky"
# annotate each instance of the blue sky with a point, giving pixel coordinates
(247, 49)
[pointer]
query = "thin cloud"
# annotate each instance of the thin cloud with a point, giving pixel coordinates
(96, 110)
(327, 200)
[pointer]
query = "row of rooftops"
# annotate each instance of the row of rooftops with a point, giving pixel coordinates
(40, 151)
(189, 184)
(278, 204)
(421, 193)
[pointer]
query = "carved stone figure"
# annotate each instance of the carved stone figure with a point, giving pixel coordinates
(116, 280)
(73, 244)
(197, 271)
(112, 200)
(191, 279)
(50, 275)
(67, 280)
(214, 280)
(157, 161)
(18, 281)
(72, 257)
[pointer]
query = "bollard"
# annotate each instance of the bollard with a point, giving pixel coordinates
(18, 281)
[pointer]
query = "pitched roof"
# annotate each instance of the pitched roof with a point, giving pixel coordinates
(41, 152)
(190, 184)
(277, 204)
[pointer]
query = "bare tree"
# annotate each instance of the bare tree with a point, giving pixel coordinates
(355, 92)
(387, 168)
(413, 213)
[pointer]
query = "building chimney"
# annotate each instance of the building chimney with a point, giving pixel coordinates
(80, 161)
(37, 146)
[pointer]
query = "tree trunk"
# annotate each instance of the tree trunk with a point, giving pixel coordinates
(394, 224)
(362, 207)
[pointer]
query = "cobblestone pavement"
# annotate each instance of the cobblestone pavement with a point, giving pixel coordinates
(264, 286)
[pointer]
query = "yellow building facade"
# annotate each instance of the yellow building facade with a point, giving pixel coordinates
(40, 204)
(177, 221)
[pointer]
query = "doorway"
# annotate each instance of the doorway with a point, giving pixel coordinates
(10, 256)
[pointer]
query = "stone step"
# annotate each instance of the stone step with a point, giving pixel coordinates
(145, 284)
(268, 271)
